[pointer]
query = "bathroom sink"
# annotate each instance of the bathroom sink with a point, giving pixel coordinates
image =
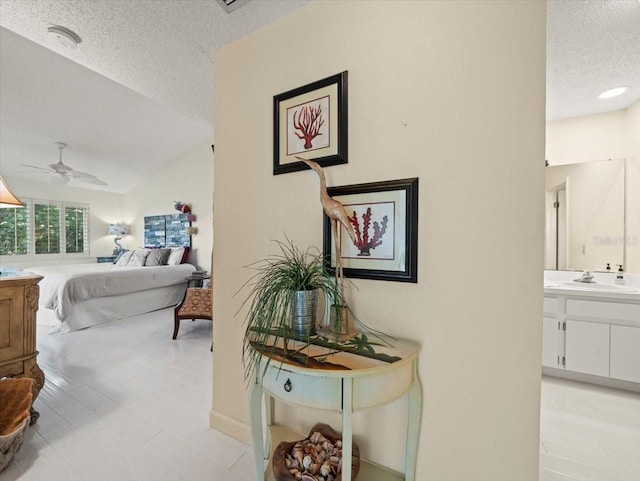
(594, 286)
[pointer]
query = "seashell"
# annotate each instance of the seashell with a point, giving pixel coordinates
(335, 460)
(339, 467)
(325, 469)
(317, 437)
(296, 474)
(314, 468)
(306, 462)
(338, 443)
(330, 478)
(308, 477)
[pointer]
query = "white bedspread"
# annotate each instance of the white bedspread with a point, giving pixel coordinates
(65, 285)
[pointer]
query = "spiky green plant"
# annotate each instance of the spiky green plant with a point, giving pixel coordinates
(273, 285)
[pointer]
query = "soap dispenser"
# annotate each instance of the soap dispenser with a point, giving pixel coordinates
(620, 276)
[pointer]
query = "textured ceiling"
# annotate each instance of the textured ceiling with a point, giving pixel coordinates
(592, 46)
(138, 92)
(135, 95)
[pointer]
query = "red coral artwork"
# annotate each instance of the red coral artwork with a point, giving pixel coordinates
(308, 126)
(307, 122)
(364, 243)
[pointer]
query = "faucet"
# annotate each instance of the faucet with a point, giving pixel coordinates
(585, 277)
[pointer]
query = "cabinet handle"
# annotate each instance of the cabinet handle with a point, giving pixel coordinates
(288, 386)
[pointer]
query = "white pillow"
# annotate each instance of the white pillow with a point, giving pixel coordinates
(175, 258)
(138, 258)
(124, 258)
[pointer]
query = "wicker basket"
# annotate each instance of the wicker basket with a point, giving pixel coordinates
(11, 443)
(280, 453)
(15, 402)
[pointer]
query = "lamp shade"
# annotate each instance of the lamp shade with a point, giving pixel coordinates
(7, 199)
(117, 230)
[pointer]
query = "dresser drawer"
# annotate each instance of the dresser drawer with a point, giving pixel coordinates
(312, 391)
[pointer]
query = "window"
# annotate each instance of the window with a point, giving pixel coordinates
(14, 231)
(45, 228)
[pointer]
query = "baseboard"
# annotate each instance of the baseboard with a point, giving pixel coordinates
(601, 381)
(230, 427)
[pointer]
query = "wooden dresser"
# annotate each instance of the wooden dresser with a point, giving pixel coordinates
(18, 306)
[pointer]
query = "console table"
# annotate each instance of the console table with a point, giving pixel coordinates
(365, 383)
(18, 305)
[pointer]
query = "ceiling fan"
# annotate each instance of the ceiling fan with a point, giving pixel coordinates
(61, 174)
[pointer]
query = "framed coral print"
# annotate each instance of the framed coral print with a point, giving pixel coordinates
(311, 122)
(384, 217)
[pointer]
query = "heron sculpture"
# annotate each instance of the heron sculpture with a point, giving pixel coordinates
(338, 217)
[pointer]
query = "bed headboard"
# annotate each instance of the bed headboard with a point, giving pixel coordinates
(167, 230)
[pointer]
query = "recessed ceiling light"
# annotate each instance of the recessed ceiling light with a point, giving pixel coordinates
(607, 94)
(66, 37)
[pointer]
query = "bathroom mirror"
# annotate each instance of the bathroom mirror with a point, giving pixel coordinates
(592, 216)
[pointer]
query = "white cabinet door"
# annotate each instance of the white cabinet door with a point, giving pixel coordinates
(625, 353)
(550, 340)
(587, 347)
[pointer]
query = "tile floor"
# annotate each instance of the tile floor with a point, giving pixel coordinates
(123, 402)
(588, 433)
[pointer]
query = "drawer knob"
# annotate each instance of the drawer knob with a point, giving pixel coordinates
(288, 386)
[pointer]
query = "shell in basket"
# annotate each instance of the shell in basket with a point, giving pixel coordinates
(316, 458)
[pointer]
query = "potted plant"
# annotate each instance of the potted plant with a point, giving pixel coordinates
(283, 302)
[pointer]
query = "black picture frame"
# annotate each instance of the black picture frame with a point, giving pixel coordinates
(396, 263)
(318, 108)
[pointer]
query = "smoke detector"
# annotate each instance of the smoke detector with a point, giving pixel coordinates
(231, 5)
(66, 37)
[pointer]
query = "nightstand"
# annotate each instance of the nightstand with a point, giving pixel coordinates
(106, 260)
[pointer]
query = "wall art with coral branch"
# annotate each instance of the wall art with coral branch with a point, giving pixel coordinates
(373, 225)
(311, 120)
(384, 216)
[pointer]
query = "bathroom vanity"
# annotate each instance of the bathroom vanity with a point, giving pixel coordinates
(592, 333)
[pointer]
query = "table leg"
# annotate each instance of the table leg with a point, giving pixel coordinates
(413, 426)
(255, 407)
(347, 433)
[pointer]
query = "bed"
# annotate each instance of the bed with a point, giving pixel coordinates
(78, 296)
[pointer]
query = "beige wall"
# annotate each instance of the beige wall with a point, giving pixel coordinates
(187, 179)
(450, 92)
(105, 208)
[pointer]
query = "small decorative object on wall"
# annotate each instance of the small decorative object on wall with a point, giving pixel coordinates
(311, 120)
(384, 216)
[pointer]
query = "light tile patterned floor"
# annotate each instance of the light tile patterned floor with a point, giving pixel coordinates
(123, 402)
(588, 433)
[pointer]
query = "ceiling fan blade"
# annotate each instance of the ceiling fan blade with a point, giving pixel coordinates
(36, 167)
(90, 180)
(80, 175)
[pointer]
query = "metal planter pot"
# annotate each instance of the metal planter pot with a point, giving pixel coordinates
(302, 313)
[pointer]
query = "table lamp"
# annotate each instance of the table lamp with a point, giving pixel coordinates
(117, 230)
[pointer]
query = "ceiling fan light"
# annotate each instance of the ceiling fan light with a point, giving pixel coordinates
(67, 38)
(58, 178)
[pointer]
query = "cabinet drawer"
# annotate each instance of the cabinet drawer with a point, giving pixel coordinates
(550, 305)
(604, 310)
(311, 391)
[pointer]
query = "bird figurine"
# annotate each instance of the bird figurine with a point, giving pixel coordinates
(338, 217)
